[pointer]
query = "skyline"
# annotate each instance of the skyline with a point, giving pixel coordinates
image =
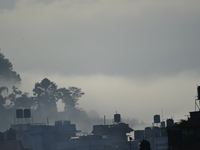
(133, 57)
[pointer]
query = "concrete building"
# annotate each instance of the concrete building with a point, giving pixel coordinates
(156, 135)
(185, 134)
(39, 136)
(63, 135)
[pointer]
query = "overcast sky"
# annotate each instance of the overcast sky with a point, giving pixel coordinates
(136, 57)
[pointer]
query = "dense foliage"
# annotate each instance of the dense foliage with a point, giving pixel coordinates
(43, 103)
(7, 75)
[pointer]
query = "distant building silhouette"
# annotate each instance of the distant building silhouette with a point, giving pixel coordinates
(186, 134)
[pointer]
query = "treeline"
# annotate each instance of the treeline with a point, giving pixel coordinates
(43, 103)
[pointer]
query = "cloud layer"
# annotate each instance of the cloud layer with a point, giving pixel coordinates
(135, 57)
(109, 37)
(139, 98)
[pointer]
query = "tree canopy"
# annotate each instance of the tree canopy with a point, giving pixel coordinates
(43, 103)
(70, 96)
(7, 75)
(45, 94)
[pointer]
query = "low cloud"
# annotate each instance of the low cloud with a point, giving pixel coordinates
(139, 98)
(136, 38)
(133, 57)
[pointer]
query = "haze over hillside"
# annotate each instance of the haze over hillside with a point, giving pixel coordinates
(134, 57)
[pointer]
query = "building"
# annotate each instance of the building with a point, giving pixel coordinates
(39, 136)
(156, 135)
(64, 135)
(11, 145)
(185, 134)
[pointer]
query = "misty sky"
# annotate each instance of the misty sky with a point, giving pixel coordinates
(136, 57)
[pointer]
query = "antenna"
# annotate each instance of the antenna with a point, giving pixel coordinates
(162, 114)
(47, 121)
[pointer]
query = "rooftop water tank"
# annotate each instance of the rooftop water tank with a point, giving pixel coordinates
(117, 118)
(27, 113)
(19, 113)
(170, 122)
(156, 118)
(162, 125)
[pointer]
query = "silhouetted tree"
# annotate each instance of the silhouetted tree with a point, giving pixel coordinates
(75, 95)
(18, 99)
(145, 145)
(65, 97)
(7, 75)
(5, 115)
(2, 101)
(10, 102)
(13, 97)
(25, 101)
(2, 98)
(46, 96)
(70, 96)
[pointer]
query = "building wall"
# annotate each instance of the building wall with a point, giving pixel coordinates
(156, 136)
